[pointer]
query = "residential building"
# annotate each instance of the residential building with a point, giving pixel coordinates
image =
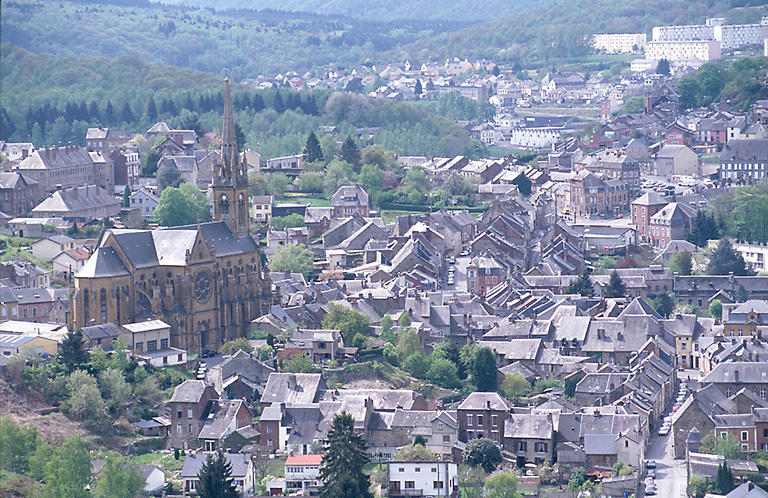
(242, 472)
(145, 200)
(747, 159)
(673, 160)
(49, 247)
(262, 208)
(483, 415)
(422, 479)
(643, 208)
(302, 473)
(530, 437)
(18, 194)
(187, 405)
(63, 167)
(739, 427)
(350, 200)
(12, 344)
(731, 376)
(150, 342)
(100, 335)
(691, 50)
(591, 196)
(672, 222)
(744, 319)
(619, 43)
(126, 161)
(535, 137)
(483, 273)
(69, 262)
(87, 203)
(105, 140)
(290, 165)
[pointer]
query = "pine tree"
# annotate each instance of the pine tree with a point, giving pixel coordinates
(127, 197)
(109, 113)
(344, 458)
(151, 109)
(484, 375)
(277, 104)
(126, 114)
(216, 479)
(663, 67)
(704, 228)
(417, 90)
(724, 260)
(239, 137)
(616, 287)
(581, 285)
(312, 150)
(71, 351)
(350, 153)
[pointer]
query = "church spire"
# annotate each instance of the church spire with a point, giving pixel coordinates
(228, 137)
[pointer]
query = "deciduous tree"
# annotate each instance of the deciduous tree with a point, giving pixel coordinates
(293, 258)
(482, 452)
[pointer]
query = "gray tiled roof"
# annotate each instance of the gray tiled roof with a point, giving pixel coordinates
(189, 391)
(194, 462)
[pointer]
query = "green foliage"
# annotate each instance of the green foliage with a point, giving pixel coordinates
(119, 479)
(17, 445)
(454, 106)
(405, 319)
(232, 346)
(443, 372)
(71, 350)
(68, 471)
(387, 330)
(542, 385)
(664, 303)
(471, 481)
(724, 259)
(581, 285)
(298, 363)
(293, 220)
(681, 263)
(278, 184)
(663, 67)
(622, 469)
(727, 447)
(349, 152)
(184, 205)
(370, 178)
(716, 309)
(724, 480)
(168, 175)
(408, 343)
(215, 478)
(85, 401)
(484, 370)
(723, 80)
(416, 364)
(605, 263)
(482, 452)
(310, 181)
(338, 173)
(634, 105)
(294, 258)
(415, 453)
(615, 287)
(698, 486)
(257, 183)
(344, 458)
(419, 440)
(704, 228)
(523, 183)
(350, 322)
(514, 385)
(312, 150)
(501, 485)
(127, 196)
(114, 388)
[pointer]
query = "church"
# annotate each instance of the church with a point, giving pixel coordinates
(207, 281)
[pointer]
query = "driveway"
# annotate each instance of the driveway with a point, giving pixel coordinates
(671, 474)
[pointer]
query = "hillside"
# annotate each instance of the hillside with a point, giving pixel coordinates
(560, 30)
(240, 44)
(392, 10)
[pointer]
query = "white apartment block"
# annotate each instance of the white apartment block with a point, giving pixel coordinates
(730, 36)
(699, 50)
(535, 137)
(619, 43)
(427, 479)
(755, 255)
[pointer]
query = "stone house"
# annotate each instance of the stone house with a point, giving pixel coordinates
(483, 415)
(187, 406)
(530, 437)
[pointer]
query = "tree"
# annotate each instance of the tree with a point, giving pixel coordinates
(310, 181)
(126, 114)
(298, 363)
(313, 152)
(698, 486)
(119, 479)
(85, 401)
(415, 453)
(581, 285)
(350, 322)
(716, 309)
(293, 220)
(604, 263)
(168, 175)
(416, 364)
(151, 109)
(501, 485)
(257, 183)
(482, 452)
(663, 67)
(114, 388)
(350, 153)
(387, 330)
(71, 351)
(371, 177)
(471, 481)
(416, 178)
(69, 471)
(17, 445)
(337, 174)
(184, 205)
(484, 370)
(417, 90)
(704, 229)
(190, 120)
(215, 478)
(127, 196)
(523, 183)
(235, 345)
(664, 303)
(150, 164)
(514, 385)
(407, 344)
(725, 446)
(419, 440)
(634, 105)
(278, 184)
(724, 260)
(405, 319)
(615, 287)
(724, 479)
(681, 263)
(294, 258)
(344, 458)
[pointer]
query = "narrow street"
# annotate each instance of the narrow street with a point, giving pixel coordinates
(671, 474)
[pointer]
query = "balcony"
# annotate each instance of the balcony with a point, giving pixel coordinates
(405, 491)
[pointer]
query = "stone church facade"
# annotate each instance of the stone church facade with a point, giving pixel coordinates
(207, 281)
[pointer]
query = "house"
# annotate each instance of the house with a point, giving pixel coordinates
(293, 388)
(103, 335)
(65, 167)
(591, 196)
(13, 344)
(302, 473)
(672, 222)
(34, 304)
(290, 165)
(150, 343)
(240, 375)
(242, 471)
(746, 159)
(220, 419)
(87, 203)
(739, 427)
(674, 160)
(187, 405)
(483, 415)
(262, 208)
(49, 247)
(483, 273)
(743, 320)
(731, 376)
(642, 209)
(422, 479)
(69, 262)
(105, 140)
(349, 200)
(145, 200)
(530, 437)
(18, 194)
(676, 134)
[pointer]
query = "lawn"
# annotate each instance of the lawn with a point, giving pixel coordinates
(302, 198)
(19, 254)
(389, 216)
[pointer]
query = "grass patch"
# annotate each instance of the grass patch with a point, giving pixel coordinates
(19, 254)
(276, 467)
(292, 197)
(389, 216)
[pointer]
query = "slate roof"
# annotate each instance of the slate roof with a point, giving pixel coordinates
(480, 400)
(189, 391)
(224, 413)
(66, 201)
(528, 426)
(748, 373)
(739, 149)
(102, 331)
(293, 388)
(104, 262)
(194, 461)
(600, 444)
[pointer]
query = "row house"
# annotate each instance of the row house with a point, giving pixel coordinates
(592, 196)
(483, 415)
(18, 194)
(673, 222)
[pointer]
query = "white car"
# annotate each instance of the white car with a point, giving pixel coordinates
(664, 430)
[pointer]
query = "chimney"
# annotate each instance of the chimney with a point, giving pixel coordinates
(736, 374)
(488, 404)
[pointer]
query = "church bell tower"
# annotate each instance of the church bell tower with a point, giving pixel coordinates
(230, 177)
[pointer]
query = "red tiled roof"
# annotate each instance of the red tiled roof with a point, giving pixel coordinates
(78, 253)
(304, 460)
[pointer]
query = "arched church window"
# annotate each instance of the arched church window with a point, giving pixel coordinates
(103, 299)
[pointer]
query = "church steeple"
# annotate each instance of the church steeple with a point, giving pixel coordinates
(230, 179)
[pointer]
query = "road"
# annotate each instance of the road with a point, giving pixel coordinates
(460, 275)
(671, 474)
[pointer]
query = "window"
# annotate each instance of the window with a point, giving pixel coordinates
(479, 420)
(178, 428)
(189, 413)
(495, 420)
(469, 420)
(745, 447)
(762, 392)
(440, 425)
(437, 484)
(409, 485)
(178, 413)
(151, 346)
(417, 469)
(433, 469)
(744, 436)
(446, 439)
(189, 428)
(139, 346)
(724, 435)
(522, 446)
(163, 343)
(470, 435)
(541, 447)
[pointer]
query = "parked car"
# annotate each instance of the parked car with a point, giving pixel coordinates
(652, 474)
(650, 490)
(650, 464)
(664, 430)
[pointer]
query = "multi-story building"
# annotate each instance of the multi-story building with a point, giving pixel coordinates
(70, 166)
(483, 273)
(290, 165)
(674, 160)
(105, 140)
(694, 50)
(349, 200)
(592, 196)
(672, 222)
(126, 165)
(536, 137)
(687, 32)
(88, 202)
(17, 194)
(619, 43)
(755, 255)
(743, 320)
(262, 208)
(731, 376)
(617, 165)
(744, 159)
(483, 415)
(302, 473)
(145, 200)
(738, 427)
(186, 407)
(642, 209)
(422, 479)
